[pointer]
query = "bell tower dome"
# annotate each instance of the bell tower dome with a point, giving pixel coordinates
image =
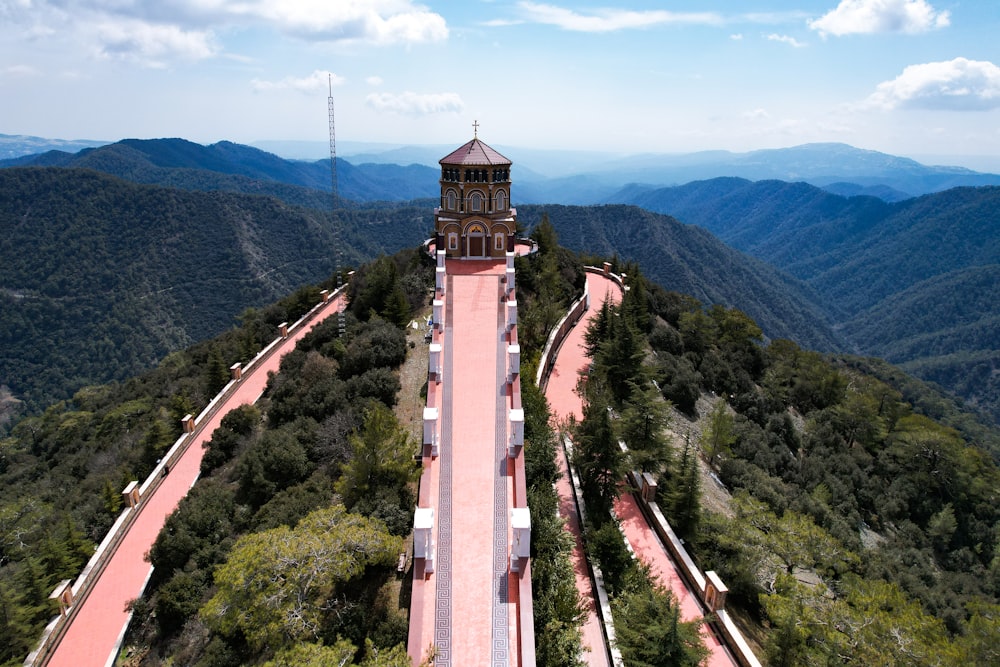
(475, 218)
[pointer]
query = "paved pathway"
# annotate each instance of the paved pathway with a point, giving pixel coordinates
(564, 401)
(469, 596)
(93, 636)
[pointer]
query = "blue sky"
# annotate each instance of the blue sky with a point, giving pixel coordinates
(909, 77)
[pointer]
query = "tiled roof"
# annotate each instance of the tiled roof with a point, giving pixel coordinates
(474, 152)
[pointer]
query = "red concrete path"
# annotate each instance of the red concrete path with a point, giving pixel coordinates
(473, 305)
(93, 635)
(467, 608)
(564, 401)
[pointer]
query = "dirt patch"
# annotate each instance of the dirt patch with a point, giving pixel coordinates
(10, 406)
(413, 377)
(714, 496)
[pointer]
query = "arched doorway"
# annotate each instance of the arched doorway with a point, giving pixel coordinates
(475, 239)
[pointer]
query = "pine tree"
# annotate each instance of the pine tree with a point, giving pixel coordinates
(599, 458)
(216, 373)
(684, 500)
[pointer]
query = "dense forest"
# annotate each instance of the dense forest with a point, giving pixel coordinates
(935, 313)
(101, 278)
(853, 512)
(859, 524)
(861, 528)
(830, 277)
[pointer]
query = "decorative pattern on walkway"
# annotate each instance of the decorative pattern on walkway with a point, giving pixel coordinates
(442, 600)
(481, 610)
(500, 508)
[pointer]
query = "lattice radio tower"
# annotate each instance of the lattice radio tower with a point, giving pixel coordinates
(338, 253)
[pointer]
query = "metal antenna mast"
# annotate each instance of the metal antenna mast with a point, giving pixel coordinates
(338, 252)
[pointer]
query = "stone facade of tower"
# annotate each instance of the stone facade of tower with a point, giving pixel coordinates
(475, 218)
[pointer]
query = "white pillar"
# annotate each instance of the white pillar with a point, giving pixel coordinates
(430, 429)
(438, 314)
(514, 363)
(520, 546)
(516, 417)
(510, 280)
(715, 592)
(511, 314)
(434, 361)
(131, 493)
(439, 274)
(423, 536)
(510, 259)
(441, 255)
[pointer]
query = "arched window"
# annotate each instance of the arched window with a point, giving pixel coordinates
(476, 201)
(450, 205)
(501, 200)
(499, 241)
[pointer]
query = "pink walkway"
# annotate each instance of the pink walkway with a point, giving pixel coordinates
(470, 595)
(564, 402)
(99, 622)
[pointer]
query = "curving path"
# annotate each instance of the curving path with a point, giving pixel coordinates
(564, 403)
(571, 360)
(98, 623)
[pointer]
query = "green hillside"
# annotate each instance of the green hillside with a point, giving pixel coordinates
(237, 168)
(687, 259)
(911, 281)
(865, 483)
(100, 278)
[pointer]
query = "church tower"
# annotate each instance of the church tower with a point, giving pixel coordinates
(475, 218)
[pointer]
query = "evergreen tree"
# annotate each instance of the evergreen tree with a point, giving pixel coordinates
(643, 423)
(620, 358)
(216, 372)
(651, 634)
(16, 625)
(599, 459)
(718, 436)
(598, 329)
(684, 499)
(111, 498)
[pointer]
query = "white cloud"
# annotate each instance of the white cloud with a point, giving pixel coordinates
(151, 45)
(736, 37)
(872, 16)
(609, 20)
(785, 39)
(154, 33)
(318, 81)
(375, 21)
(19, 70)
(501, 23)
(756, 114)
(415, 104)
(374, 81)
(956, 85)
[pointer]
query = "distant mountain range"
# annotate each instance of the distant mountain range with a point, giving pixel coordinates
(541, 176)
(589, 177)
(19, 145)
(237, 168)
(913, 281)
